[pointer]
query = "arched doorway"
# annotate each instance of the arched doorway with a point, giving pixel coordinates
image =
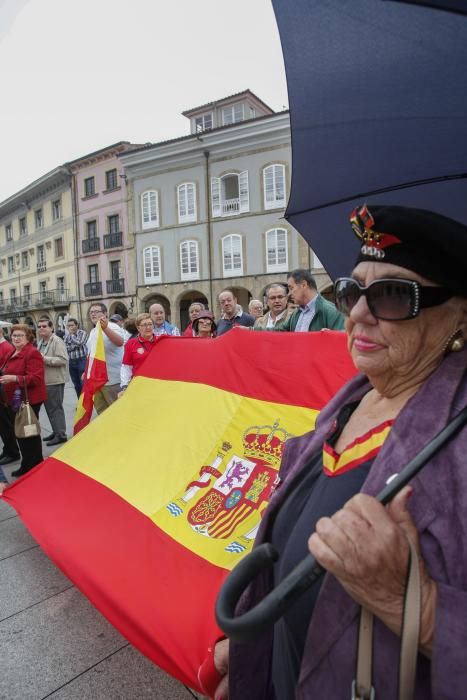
(185, 301)
(158, 299)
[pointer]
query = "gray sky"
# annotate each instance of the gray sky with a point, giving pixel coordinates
(79, 75)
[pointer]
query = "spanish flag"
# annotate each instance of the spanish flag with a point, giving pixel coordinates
(150, 507)
(95, 376)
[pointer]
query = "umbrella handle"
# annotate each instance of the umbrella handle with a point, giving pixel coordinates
(254, 622)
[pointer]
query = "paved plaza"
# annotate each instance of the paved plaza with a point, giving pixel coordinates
(53, 642)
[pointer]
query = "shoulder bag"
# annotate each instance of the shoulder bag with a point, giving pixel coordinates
(26, 422)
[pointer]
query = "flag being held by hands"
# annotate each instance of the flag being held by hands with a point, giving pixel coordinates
(95, 376)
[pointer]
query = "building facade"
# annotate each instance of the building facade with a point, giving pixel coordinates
(105, 249)
(207, 209)
(37, 257)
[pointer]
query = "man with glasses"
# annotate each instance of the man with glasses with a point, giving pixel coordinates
(54, 352)
(114, 339)
(276, 299)
(75, 341)
(314, 312)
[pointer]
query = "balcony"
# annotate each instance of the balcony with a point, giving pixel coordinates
(115, 286)
(113, 240)
(230, 206)
(51, 298)
(42, 266)
(93, 289)
(91, 245)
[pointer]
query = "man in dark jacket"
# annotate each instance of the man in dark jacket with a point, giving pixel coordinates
(232, 313)
(314, 312)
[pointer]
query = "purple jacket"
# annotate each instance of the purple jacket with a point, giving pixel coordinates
(439, 509)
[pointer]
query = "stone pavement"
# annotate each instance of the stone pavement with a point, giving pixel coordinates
(53, 643)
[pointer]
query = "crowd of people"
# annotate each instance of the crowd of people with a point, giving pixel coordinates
(40, 366)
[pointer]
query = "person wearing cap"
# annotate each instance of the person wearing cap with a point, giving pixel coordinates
(405, 305)
(204, 325)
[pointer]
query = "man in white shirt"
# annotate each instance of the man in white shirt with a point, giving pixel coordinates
(113, 346)
(276, 299)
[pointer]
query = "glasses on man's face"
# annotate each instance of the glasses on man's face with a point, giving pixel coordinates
(42, 326)
(93, 312)
(389, 299)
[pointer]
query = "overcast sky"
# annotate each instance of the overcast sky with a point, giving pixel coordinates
(76, 76)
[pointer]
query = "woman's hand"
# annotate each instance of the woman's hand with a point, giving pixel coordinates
(7, 378)
(221, 662)
(365, 546)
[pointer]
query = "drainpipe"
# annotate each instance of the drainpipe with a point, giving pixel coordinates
(74, 207)
(209, 228)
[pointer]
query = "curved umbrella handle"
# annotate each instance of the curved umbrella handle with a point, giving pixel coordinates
(254, 622)
(250, 625)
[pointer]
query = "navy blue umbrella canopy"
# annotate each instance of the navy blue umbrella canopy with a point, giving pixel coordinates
(378, 108)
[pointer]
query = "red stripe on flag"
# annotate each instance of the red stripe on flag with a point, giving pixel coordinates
(100, 542)
(302, 382)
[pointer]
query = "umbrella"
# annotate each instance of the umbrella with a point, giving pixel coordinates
(378, 108)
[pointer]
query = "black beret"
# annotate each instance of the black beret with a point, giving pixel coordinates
(427, 243)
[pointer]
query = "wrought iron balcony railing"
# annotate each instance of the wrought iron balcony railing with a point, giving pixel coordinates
(51, 298)
(93, 289)
(115, 286)
(113, 240)
(91, 245)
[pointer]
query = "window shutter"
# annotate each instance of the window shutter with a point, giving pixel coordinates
(216, 196)
(244, 191)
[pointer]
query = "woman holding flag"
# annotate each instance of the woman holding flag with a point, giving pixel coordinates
(406, 310)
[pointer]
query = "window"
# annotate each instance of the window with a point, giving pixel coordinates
(9, 232)
(150, 209)
(186, 202)
(230, 194)
(38, 219)
(43, 289)
(13, 296)
(56, 210)
(115, 270)
(25, 259)
(111, 182)
(276, 250)
(61, 285)
(233, 114)
(152, 264)
(23, 229)
(203, 122)
(93, 273)
(113, 223)
(58, 245)
(27, 292)
(89, 186)
(274, 186)
(40, 254)
(1, 297)
(232, 255)
(91, 229)
(189, 260)
(11, 264)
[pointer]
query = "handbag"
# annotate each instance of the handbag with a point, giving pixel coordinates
(26, 422)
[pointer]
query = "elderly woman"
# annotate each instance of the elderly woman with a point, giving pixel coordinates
(204, 325)
(406, 310)
(137, 349)
(23, 371)
(193, 310)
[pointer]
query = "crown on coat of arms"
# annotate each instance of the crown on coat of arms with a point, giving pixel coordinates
(265, 442)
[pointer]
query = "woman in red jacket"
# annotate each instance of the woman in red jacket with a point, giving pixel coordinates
(24, 368)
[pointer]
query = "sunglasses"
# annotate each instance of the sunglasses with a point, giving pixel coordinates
(389, 299)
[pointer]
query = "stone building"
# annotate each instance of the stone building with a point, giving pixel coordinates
(37, 257)
(207, 208)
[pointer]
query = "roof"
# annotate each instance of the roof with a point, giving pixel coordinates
(112, 147)
(186, 137)
(244, 93)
